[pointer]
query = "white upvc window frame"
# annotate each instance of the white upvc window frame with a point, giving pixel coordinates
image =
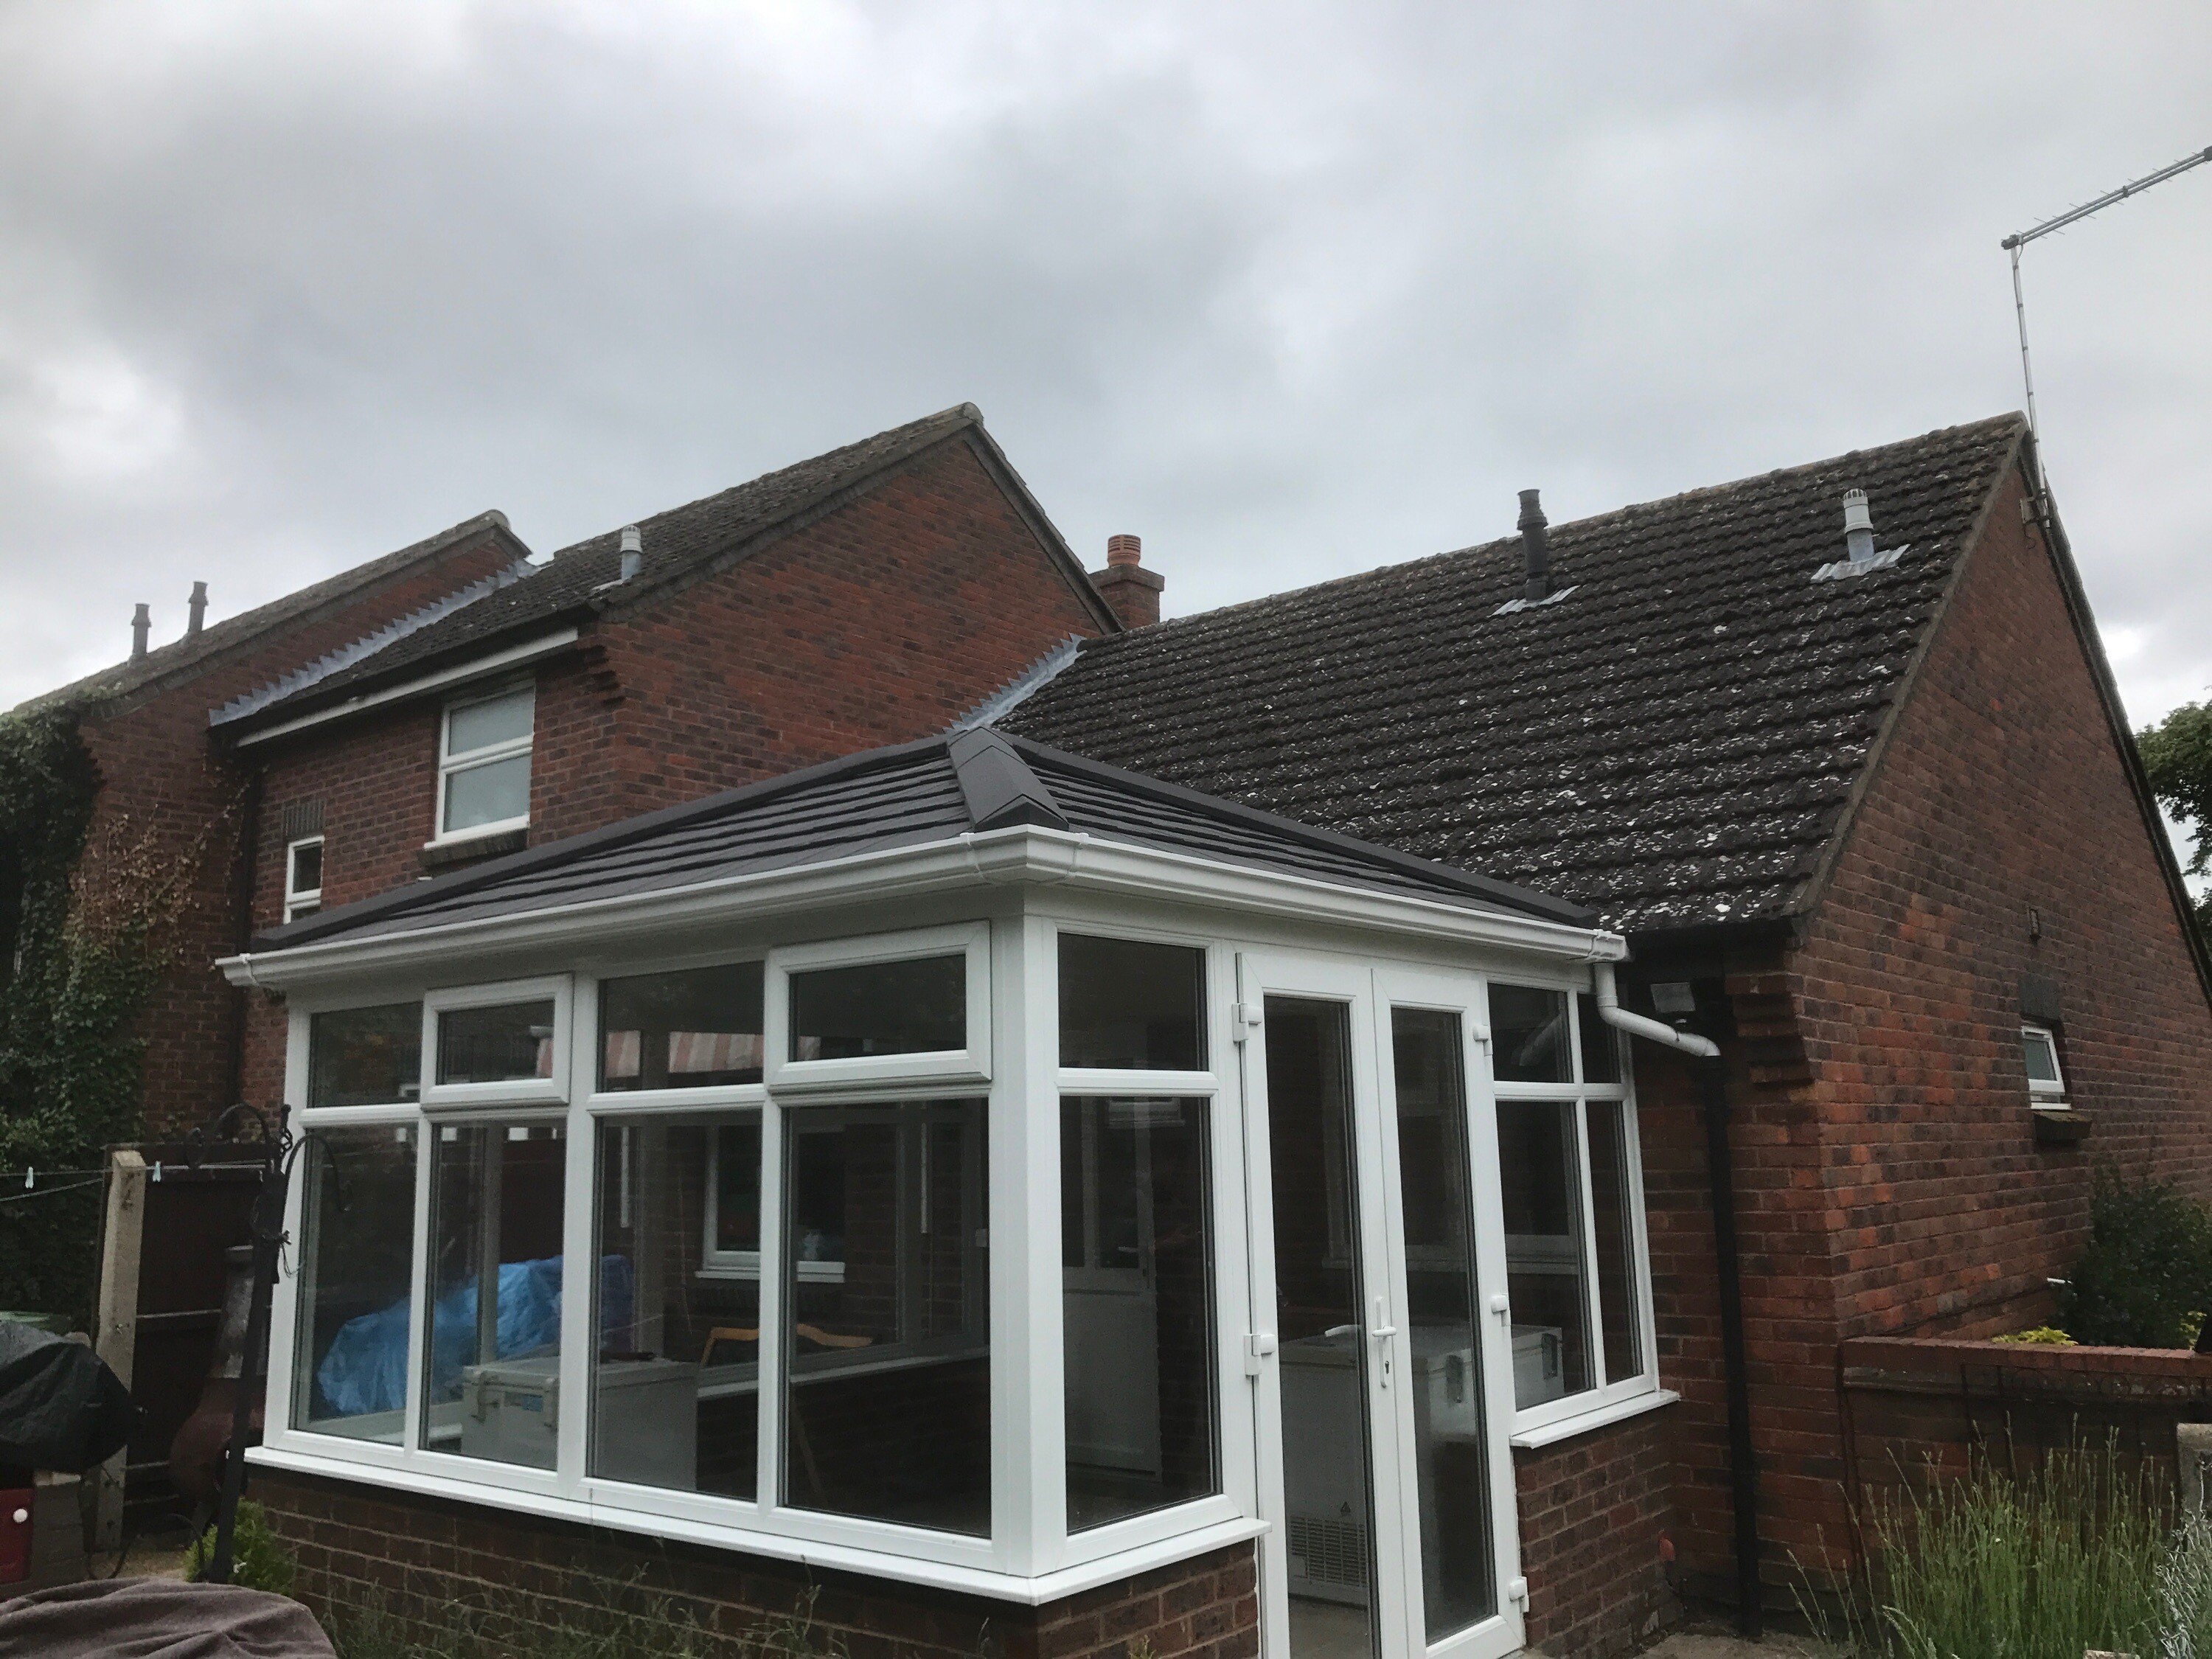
(1235, 1448)
(450, 764)
(516, 1093)
(2049, 1095)
(1608, 1401)
(930, 1070)
(302, 901)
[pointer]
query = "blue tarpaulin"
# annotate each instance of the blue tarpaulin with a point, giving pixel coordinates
(365, 1368)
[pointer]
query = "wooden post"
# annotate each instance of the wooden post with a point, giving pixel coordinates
(117, 1336)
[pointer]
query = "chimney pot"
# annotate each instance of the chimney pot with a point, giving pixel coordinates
(142, 624)
(1535, 548)
(1859, 528)
(195, 610)
(633, 551)
(1131, 592)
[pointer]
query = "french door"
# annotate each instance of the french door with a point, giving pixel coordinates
(1384, 1376)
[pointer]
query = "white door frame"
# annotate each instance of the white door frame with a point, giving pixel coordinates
(1464, 995)
(1368, 994)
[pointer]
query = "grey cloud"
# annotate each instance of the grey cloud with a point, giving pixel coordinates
(1290, 292)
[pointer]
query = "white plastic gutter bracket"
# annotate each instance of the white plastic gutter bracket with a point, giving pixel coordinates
(1610, 1011)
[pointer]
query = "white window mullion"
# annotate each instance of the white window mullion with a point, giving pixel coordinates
(418, 1341)
(769, 1400)
(580, 1265)
(1594, 1334)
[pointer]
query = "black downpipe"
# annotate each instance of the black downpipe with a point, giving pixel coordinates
(1720, 1173)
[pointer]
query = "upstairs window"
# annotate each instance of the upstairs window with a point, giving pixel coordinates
(303, 877)
(483, 764)
(2046, 1083)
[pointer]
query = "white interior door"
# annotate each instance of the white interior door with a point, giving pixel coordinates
(1384, 1462)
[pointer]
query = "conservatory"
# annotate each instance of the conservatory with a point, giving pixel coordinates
(970, 1166)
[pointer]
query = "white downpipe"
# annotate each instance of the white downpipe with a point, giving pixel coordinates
(1610, 1011)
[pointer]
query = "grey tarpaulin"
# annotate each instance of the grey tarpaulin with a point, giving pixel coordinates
(60, 1406)
(158, 1619)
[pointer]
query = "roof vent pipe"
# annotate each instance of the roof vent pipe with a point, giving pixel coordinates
(195, 610)
(1859, 528)
(1535, 549)
(142, 624)
(633, 552)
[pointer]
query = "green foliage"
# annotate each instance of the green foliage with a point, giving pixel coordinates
(2177, 754)
(2146, 1269)
(2039, 1336)
(83, 940)
(2071, 1557)
(259, 1559)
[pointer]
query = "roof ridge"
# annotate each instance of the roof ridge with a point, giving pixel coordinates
(367, 645)
(231, 631)
(1011, 696)
(1567, 528)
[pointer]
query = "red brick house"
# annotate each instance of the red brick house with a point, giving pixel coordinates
(300, 752)
(1157, 1164)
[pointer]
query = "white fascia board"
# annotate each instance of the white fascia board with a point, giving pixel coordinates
(1020, 856)
(475, 668)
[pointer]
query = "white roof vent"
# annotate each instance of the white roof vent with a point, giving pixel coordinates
(1859, 555)
(633, 553)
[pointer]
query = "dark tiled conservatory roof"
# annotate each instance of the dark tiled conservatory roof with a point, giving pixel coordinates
(1672, 744)
(907, 796)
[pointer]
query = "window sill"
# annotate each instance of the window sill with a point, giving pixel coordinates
(2058, 1124)
(1598, 1416)
(441, 854)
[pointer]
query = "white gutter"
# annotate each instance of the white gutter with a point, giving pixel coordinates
(475, 668)
(1610, 1011)
(1022, 855)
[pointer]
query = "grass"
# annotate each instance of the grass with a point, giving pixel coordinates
(2073, 1555)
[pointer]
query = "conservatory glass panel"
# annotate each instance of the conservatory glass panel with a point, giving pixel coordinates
(356, 1282)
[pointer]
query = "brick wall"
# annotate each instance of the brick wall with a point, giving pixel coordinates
(1888, 1176)
(164, 788)
(1923, 1407)
(422, 1555)
(878, 623)
(1596, 1519)
(2001, 812)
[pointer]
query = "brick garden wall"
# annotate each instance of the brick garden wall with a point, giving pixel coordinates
(1922, 1408)
(420, 1556)
(163, 788)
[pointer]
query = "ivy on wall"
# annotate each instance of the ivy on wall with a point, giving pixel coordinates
(86, 927)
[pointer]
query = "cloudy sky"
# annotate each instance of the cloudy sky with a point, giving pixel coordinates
(1290, 291)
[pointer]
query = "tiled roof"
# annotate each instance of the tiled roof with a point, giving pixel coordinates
(1673, 744)
(179, 656)
(675, 543)
(910, 795)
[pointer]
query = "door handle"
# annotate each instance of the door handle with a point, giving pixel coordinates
(1382, 1328)
(1342, 1330)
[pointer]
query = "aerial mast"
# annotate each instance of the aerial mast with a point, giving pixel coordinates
(2020, 239)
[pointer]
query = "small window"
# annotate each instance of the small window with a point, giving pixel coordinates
(493, 1356)
(917, 1007)
(510, 1043)
(700, 1028)
(676, 1379)
(1130, 1006)
(303, 877)
(357, 1283)
(366, 1056)
(1528, 1035)
(887, 1380)
(483, 764)
(1137, 1307)
(2046, 1083)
